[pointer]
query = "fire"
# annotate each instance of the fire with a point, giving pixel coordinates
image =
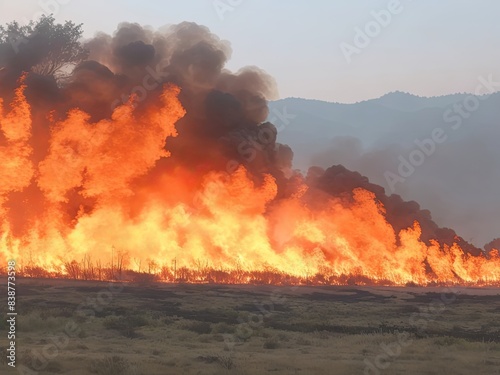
(99, 204)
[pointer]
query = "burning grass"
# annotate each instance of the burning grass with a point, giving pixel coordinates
(106, 203)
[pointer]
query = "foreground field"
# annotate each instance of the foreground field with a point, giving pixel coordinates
(68, 327)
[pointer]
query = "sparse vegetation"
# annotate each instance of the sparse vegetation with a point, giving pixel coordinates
(113, 365)
(217, 330)
(223, 328)
(224, 361)
(271, 343)
(125, 325)
(198, 327)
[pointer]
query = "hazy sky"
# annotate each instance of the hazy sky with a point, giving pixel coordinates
(428, 47)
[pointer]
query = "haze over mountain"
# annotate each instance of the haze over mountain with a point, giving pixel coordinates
(458, 180)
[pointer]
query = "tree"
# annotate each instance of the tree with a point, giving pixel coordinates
(43, 47)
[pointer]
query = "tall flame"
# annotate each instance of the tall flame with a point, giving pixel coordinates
(131, 214)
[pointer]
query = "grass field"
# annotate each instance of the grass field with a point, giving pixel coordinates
(71, 327)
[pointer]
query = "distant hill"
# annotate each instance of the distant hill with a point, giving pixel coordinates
(407, 102)
(459, 182)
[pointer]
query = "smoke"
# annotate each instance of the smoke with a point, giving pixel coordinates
(493, 245)
(224, 109)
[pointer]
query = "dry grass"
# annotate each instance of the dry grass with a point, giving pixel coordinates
(245, 330)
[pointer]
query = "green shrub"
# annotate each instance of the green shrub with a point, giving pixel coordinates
(125, 325)
(271, 343)
(223, 328)
(198, 327)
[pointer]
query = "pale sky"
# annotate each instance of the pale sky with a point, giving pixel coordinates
(429, 47)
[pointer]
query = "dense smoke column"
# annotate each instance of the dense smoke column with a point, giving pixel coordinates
(493, 245)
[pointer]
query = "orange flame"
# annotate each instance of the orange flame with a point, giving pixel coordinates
(133, 216)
